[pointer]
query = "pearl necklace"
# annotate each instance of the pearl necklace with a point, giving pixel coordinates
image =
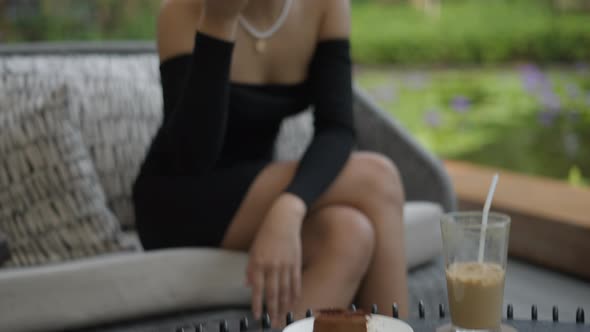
(261, 36)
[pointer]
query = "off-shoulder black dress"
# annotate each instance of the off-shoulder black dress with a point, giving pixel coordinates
(217, 136)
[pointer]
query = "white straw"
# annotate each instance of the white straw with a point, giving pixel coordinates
(486, 212)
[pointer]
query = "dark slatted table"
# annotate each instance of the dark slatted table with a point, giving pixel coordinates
(240, 320)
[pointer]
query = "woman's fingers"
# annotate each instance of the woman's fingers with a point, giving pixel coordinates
(285, 299)
(295, 282)
(256, 281)
(272, 281)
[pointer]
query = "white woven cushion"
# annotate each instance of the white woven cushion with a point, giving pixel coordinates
(52, 208)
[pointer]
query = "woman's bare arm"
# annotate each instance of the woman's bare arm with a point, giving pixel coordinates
(180, 19)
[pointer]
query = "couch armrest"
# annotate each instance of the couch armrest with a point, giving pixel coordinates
(423, 175)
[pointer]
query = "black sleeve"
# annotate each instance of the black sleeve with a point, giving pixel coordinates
(196, 97)
(330, 77)
(4, 249)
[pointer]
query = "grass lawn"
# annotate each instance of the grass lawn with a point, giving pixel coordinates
(524, 118)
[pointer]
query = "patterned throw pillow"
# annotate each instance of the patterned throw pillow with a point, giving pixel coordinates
(116, 102)
(118, 118)
(52, 207)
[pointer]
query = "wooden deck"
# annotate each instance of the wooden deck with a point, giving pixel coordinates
(550, 219)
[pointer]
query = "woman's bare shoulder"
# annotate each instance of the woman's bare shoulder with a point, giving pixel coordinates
(334, 18)
(178, 21)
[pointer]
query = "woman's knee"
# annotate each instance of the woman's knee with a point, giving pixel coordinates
(347, 235)
(380, 178)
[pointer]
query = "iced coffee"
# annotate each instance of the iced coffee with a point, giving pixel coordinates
(475, 283)
(476, 294)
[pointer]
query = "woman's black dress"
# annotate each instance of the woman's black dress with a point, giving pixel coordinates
(217, 136)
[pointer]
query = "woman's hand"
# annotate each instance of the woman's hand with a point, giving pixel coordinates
(220, 17)
(224, 10)
(274, 269)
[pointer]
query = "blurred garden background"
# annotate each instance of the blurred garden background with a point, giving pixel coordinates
(504, 83)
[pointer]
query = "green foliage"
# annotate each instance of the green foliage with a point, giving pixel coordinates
(503, 123)
(82, 20)
(469, 31)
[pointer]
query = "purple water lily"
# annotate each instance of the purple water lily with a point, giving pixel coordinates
(550, 100)
(432, 118)
(460, 104)
(532, 78)
(538, 84)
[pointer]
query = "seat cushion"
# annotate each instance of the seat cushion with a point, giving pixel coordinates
(124, 286)
(426, 283)
(111, 288)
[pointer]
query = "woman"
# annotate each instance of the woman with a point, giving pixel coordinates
(321, 232)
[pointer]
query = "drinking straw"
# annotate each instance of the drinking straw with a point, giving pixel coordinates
(484, 222)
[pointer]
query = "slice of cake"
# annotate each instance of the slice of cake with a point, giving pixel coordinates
(339, 320)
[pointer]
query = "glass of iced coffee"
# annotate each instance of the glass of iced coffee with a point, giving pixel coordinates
(475, 276)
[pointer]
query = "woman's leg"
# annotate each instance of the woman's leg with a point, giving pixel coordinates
(334, 261)
(370, 184)
(382, 200)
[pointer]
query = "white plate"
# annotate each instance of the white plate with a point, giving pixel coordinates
(377, 323)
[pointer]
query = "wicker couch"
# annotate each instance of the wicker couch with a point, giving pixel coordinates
(139, 284)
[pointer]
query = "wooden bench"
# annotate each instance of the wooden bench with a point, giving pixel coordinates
(550, 219)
